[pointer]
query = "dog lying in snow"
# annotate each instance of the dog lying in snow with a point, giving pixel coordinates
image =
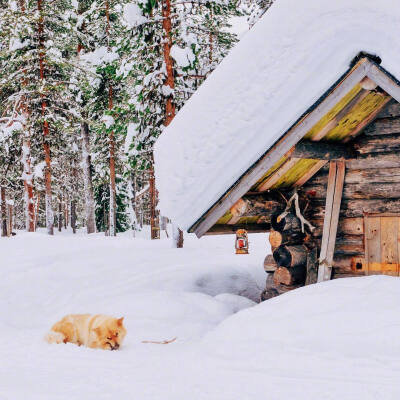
(94, 331)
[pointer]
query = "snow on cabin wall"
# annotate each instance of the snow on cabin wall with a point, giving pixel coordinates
(278, 70)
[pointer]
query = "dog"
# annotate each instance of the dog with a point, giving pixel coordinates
(94, 331)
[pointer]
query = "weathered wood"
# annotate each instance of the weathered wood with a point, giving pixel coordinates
(288, 223)
(391, 110)
(312, 267)
(357, 208)
(377, 144)
(323, 150)
(333, 202)
(384, 80)
(277, 239)
(285, 143)
(273, 290)
(374, 162)
(348, 264)
(372, 190)
(375, 175)
(338, 275)
(389, 239)
(290, 276)
(349, 245)
(360, 96)
(347, 226)
(255, 206)
(384, 126)
(270, 263)
(312, 171)
(231, 229)
(291, 256)
(268, 183)
(327, 220)
(367, 121)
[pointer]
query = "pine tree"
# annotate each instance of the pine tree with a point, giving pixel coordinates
(176, 46)
(36, 74)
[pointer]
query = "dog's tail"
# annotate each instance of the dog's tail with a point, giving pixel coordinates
(54, 337)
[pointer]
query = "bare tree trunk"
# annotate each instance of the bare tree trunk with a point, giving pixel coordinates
(113, 206)
(87, 164)
(154, 215)
(66, 212)
(60, 214)
(87, 179)
(3, 211)
(46, 146)
(73, 216)
(28, 187)
(170, 109)
(37, 203)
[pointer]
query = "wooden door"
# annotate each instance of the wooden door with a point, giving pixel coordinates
(382, 242)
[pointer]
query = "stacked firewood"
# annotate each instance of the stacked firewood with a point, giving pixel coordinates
(288, 268)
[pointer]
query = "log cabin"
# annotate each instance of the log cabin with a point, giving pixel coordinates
(326, 184)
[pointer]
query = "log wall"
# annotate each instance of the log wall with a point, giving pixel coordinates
(372, 185)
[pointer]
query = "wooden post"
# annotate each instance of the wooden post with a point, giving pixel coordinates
(154, 217)
(332, 209)
(3, 212)
(10, 218)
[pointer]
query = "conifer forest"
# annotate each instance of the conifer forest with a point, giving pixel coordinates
(86, 87)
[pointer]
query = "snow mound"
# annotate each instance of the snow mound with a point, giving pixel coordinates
(247, 103)
(353, 317)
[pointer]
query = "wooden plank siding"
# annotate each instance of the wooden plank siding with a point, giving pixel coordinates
(371, 206)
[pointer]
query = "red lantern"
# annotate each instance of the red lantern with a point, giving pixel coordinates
(242, 242)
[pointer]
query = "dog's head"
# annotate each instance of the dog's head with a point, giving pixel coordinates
(111, 333)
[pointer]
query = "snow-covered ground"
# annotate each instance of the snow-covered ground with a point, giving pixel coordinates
(337, 340)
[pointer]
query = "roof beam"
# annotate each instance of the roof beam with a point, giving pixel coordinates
(322, 151)
(383, 79)
(231, 229)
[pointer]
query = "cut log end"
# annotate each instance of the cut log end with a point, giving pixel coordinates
(291, 256)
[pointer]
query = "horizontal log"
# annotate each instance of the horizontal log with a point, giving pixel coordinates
(322, 150)
(365, 191)
(348, 264)
(383, 126)
(349, 275)
(256, 206)
(391, 110)
(291, 256)
(374, 161)
(277, 239)
(290, 276)
(357, 208)
(231, 229)
(377, 144)
(349, 245)
(347, 226)
(376, 175)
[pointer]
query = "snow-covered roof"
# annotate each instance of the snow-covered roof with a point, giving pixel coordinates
(274, 74)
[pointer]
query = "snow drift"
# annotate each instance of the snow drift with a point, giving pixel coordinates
(336, 340)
